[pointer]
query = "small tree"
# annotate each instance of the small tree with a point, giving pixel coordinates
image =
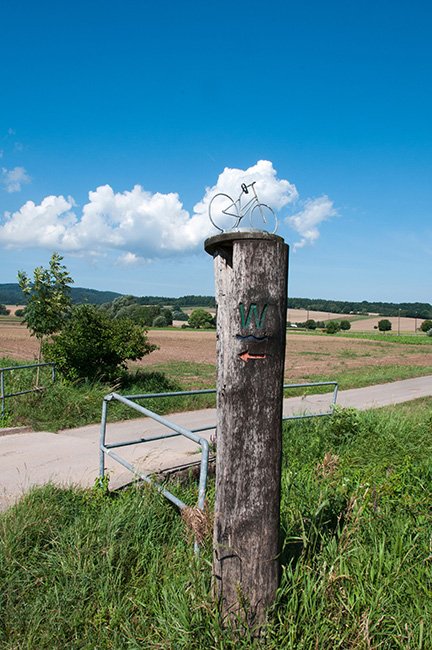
(345, 324)
(159, 321)
(4, 311)
(310, 324)
(384, 325)
(332, 327)
(426, 325)
(92, 345)
(48, 300)
(179, 314)
(201, 318)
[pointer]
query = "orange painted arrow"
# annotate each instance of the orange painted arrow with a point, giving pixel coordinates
(245, 356)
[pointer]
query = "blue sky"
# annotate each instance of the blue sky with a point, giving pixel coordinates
(334, 97)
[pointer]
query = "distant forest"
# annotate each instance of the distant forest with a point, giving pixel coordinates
(410, 309)
(10, 294)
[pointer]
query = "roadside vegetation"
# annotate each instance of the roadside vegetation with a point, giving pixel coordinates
(65, 404)
(91, 569)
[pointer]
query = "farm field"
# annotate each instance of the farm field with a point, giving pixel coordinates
(359, 323)
(306, 355)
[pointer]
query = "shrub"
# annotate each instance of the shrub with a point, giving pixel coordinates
(159, 321)
(4, 311)
(345, 324)
(310, 324)
(20, 313)
(94, 346)
(167, 314)
(179, 314)
(201, 318)
(384, 325)
(426, 326)
(332, 327)
(344, 425)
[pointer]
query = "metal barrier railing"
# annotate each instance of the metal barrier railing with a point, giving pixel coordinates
(314, 384)
(177, 430)
(4, 395)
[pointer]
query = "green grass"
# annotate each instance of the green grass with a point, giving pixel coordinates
(388, 337)
(63, 405)
(85, 569)
(371, 375)
(190, 375)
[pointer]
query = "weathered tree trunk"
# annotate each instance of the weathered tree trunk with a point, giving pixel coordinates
(251, 290)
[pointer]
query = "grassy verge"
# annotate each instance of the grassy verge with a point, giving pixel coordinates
(63, 404)
(372, 375)
(85, 569)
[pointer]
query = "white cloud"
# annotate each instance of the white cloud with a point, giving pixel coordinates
(14, 178)
(139, 224)
(130, 259)
(306, 222)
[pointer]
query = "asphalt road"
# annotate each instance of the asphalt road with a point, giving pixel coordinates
(72, 457)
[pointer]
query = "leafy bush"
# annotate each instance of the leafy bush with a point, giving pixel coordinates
(426, 326)
(4, 311)
(344, 425)
(201, 318)
(129, 307)
(159, 321)
(384, 325)
(93, 345)
(332, 327)
(179, 314)
(19, 312)
(310, 324)
(345, 324)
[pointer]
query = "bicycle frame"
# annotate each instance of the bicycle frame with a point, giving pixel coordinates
(242, 211)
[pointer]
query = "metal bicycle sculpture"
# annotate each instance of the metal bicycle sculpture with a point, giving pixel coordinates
(226, 214)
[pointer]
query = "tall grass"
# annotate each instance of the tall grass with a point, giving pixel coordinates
(65, 404)
(85, 569)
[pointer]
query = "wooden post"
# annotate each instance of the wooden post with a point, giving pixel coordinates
(251, 293)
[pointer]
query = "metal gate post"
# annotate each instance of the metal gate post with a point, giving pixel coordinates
(251, 294)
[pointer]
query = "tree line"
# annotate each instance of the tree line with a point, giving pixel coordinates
(11, 294)
(408, 309)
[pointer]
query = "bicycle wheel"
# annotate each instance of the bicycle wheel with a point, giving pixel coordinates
(223, 212)
(263, 217)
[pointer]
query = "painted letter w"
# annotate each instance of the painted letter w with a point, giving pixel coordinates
(252, 312)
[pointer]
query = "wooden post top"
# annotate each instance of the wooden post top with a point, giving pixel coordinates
(227, 239)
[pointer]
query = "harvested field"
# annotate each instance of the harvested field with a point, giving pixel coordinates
(358, 323)
(306, 355)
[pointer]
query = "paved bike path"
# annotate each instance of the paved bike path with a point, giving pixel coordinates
(72, 456)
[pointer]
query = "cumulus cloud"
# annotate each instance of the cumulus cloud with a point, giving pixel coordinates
(138, 224)
(14, 179)
(130, 259)
(306, 222)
